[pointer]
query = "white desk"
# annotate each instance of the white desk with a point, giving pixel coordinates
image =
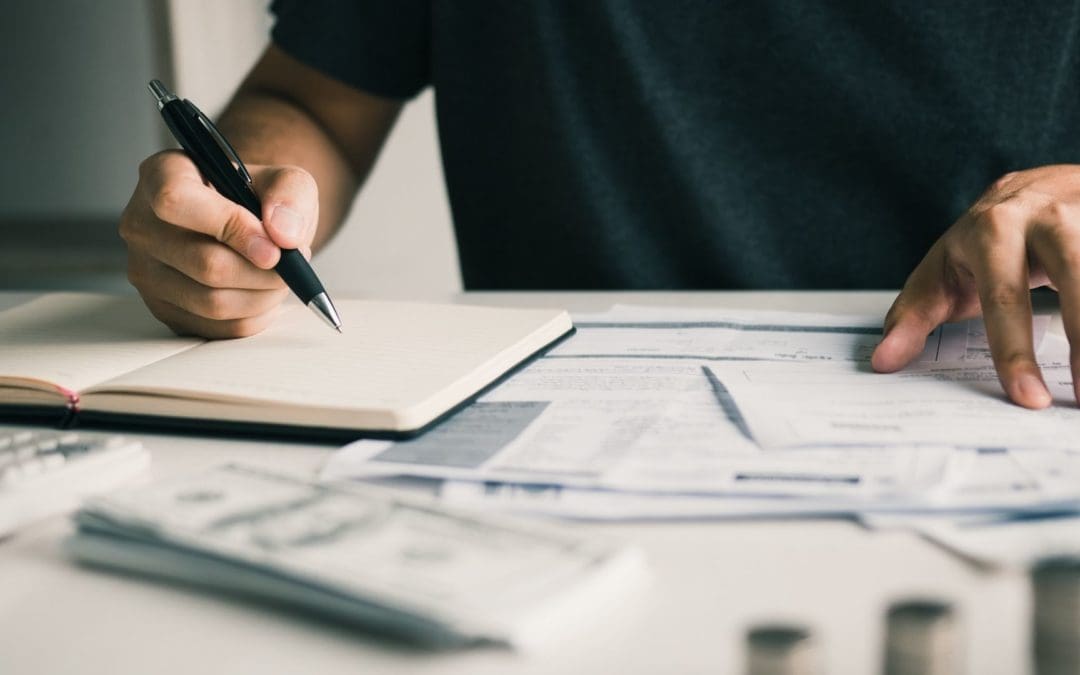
(711, 579)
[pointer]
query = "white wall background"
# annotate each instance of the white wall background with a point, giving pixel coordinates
(75, 122)
(398, 238)
(75, 116)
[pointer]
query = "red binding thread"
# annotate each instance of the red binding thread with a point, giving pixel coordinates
(72, 398)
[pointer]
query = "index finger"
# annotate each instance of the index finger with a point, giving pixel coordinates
(1058, 256)
(177, 195)
(1001, 274)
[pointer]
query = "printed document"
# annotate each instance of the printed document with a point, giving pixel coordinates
(626, 404)
(711, 335)
(970, 484)
(836, 405)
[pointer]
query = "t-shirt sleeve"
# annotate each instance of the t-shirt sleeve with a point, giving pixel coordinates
(379, 46)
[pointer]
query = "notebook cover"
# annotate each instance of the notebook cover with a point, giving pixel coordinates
(36, 415)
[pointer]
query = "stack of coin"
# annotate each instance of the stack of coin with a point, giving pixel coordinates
(1056, 638)
(921, 639)
(781, 650)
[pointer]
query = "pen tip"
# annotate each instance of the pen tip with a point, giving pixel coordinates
(322, 306)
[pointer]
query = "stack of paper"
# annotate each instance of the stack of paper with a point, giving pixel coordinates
(683, 413)
(398, 565)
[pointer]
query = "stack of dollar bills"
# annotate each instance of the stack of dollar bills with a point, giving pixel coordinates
(402, 566)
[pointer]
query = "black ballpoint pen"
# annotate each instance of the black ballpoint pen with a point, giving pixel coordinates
(218, 162)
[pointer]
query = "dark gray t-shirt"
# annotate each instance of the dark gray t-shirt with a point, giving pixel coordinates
(666, 144)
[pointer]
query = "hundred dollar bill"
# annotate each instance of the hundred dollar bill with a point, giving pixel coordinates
(360, 553)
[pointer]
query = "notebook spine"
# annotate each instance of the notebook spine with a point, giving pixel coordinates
(71, 407)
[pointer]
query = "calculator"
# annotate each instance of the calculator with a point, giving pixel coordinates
(44, 473)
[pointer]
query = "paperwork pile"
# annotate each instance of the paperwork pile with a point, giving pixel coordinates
(362, 555)
(685, 413)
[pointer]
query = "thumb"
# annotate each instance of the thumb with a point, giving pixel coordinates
(290, 202)
(923, 305)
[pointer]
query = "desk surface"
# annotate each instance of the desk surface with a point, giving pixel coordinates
(710, 581)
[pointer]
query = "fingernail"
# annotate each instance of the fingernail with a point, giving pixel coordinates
(261, 251)
(1033, 391)
(287, 223)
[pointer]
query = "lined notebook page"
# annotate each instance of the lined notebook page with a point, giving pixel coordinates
(76, 340)
(391, 356)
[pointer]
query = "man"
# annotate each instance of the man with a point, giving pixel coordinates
(679, 144)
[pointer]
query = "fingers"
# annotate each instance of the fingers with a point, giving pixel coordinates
(990, 272)
(290, 201)
(922, 306)
(199, 257)
(987, 262)
(203, 263)
(1060, 256)
(224, 306)
(183, 322)
(175, 195)
(1001, 270)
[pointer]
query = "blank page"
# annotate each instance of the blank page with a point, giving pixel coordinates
(406, 358)
(71, 341)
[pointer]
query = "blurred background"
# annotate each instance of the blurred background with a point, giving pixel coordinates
(77, 119)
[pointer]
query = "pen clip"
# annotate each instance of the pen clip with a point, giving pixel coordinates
(225, 146)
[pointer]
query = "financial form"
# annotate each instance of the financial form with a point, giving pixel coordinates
(628, 331)
(627, 404)
(960, 404)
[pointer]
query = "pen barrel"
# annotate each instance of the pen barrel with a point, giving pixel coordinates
(213, 163)
(298, 275)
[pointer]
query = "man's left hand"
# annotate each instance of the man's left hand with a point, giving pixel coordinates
(1024, 232)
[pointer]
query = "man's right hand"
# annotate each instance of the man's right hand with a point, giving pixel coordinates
(204, 264)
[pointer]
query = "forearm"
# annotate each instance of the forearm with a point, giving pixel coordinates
(283, 115)
(267, 130)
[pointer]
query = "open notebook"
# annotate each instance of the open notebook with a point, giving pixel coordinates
(93, 359)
